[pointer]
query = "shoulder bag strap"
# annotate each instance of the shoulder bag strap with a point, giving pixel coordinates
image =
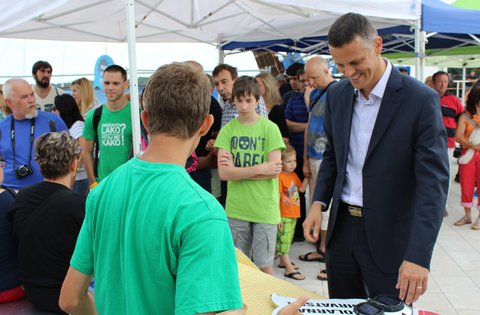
(97, 115)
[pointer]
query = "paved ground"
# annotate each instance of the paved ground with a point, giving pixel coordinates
(454, 285)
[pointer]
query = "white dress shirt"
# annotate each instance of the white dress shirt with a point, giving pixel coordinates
(365, 113)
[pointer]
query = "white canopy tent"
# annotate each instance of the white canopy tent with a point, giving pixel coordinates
(214, 22)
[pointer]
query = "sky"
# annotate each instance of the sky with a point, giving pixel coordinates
(77, 59)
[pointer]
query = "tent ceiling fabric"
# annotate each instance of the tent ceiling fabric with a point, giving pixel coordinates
(448, 27)
(211, 21)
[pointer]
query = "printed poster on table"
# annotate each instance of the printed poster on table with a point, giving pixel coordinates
(336, 306)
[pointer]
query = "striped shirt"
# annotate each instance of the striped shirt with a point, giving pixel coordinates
(230, 112)
(76, 132)
(452, 108)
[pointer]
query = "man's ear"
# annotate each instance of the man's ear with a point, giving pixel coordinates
(8, 102)
(144, 118)
(207, 123)
(378, 44)
(73, 166)
(126, 84)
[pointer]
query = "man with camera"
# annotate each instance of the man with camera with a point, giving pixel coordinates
(18, 132)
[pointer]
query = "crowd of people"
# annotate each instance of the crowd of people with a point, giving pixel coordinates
(151, 224)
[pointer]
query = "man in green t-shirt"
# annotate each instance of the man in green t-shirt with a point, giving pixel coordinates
(157, 242)
(114, 129)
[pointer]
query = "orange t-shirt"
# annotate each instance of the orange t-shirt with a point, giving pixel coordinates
(468, 127)
(289, 197)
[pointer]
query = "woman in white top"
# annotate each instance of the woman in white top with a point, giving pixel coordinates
(84, 95)
(67, 108)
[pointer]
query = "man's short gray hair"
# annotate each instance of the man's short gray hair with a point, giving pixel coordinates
(7, 86)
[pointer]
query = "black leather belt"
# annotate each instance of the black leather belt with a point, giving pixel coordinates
(354, 211)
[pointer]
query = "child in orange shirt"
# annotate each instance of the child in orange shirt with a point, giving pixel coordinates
(289, 185)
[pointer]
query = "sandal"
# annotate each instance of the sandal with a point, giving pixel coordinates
(294, 266)
(323, 275)
(295, 275)
(462, 221)
(476, 225)
(306, 257)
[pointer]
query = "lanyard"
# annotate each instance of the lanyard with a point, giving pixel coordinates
(12, 138)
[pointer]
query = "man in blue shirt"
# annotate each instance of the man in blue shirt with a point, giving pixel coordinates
(18, 132)
(296, 114)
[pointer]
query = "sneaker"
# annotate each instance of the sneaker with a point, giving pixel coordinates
(462, 221)
(476, 225)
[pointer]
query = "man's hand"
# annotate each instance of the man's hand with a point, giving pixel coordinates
(225, 159)
(307, 172)
(292, 308)
(313, 222)
(271, 168)
(280, 226)
(412, 281)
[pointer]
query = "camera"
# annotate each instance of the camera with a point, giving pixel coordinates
(23, 171)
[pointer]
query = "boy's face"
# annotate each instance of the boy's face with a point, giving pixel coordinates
(289, 163)
(245, 104)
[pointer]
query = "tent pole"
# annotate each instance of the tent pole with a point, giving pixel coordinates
(221, 53)
(132, 62)
(464, 81)
(420, 41)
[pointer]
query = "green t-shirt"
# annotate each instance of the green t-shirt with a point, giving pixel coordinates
(252, 200)
(157, 243)
(115, 137)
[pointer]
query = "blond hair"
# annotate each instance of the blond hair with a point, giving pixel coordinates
(289, 150)
(3, 106)
(87, 95)
(272, 94)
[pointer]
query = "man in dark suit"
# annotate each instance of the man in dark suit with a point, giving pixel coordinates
(385, 171)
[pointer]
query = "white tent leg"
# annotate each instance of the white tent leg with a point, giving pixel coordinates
(420, 41)
(464, 81)
(221, 53)
(132, 62)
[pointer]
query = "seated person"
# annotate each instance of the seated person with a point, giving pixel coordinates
(10, 289)
(46, 220)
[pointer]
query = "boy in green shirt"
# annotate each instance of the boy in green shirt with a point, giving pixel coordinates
(249, 158)
(157, 242)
